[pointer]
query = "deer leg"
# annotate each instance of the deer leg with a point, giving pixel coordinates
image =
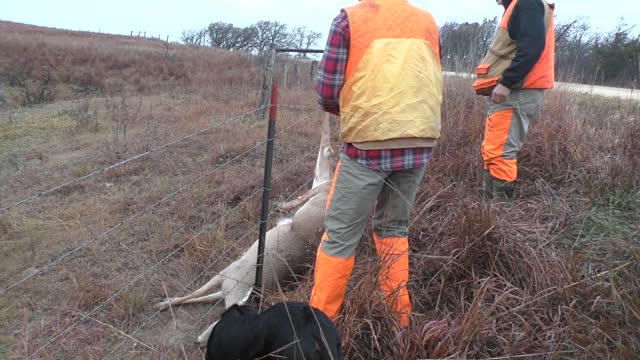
(204, 299)
(216, 282)
(202, 339)
(288, 206)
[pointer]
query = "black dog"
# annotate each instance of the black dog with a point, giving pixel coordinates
(244, 334)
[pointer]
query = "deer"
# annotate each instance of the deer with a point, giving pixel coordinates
(289, 246)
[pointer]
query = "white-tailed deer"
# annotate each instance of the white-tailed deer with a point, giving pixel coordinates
(289, 246)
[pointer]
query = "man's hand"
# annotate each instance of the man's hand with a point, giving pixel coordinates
(500, 94)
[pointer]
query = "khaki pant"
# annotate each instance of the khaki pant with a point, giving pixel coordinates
(506, 129)
(356, 192)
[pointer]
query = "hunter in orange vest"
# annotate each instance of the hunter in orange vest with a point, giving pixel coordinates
(381, 73)
(517, 69)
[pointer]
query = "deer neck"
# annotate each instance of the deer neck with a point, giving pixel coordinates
(322, 173)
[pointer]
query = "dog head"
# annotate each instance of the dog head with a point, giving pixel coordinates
(238, 335)
(290, 330)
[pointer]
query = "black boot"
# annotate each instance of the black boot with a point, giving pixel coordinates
(486, 191)
(503, 190)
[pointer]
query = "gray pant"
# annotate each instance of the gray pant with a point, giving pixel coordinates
(357, 191)
(506, 129)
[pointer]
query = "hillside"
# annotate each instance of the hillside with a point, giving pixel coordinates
(40, 65)
(555, 274)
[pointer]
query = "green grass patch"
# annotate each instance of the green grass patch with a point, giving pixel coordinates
(607, 228)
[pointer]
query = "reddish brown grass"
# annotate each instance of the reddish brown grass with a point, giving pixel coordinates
(552, 275)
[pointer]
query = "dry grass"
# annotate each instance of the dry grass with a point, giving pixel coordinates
(553, 275)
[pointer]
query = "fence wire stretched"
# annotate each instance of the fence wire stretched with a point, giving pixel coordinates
(186, 286)
(52, 263)
(126, 161)
(128, 220)
(143, 274)
(204, 271)
(87, 315)
(200, 321)
(249, 232)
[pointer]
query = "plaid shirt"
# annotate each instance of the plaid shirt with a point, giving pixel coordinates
(330, 79)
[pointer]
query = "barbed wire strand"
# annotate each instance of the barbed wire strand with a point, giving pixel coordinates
(51, 264)
(302, 107)
(274, 209)
(157, 312)
(86, 315)
(143, 274)
(123, 162)
(128, 220)
(213, 307)
(153, 316)
(139, 156)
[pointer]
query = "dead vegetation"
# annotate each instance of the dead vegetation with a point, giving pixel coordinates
(554, 275)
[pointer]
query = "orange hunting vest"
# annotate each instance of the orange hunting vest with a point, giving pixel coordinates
(393, 80)
(503, 51)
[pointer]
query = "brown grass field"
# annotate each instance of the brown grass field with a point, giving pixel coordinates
(553, 275)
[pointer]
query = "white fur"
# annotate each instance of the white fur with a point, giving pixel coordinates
(289, 246)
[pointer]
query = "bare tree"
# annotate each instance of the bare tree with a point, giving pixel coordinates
(312, 39)
(574, 45)
(271, 34)
(247, 39)
(219, 34)
(582, 55)
(464, 44)
(303, 38)
(194, 37)
(298, 36)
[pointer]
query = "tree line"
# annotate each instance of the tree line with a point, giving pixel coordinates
(583, 55)
(258, 37)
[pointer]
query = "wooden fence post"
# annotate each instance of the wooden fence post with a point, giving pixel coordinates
(286, 71)
(312, 71)
(267, 82)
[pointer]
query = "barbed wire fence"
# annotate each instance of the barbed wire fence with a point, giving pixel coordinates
(303, 156)
(148, 270)
(128, 220)
(201, 274)
(121, 163)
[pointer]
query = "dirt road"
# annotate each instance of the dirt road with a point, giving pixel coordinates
(627, 94)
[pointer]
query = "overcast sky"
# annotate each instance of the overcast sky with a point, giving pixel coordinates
(165, 17)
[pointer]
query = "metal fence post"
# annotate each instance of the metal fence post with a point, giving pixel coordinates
(266, 189)
(269, 96)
